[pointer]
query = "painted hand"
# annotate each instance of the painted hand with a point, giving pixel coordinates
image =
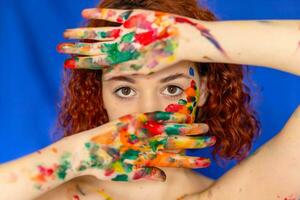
(146, 41)
(133, 146)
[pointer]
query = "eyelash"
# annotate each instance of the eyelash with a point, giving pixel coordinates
(162, 92)
(119, 89)
(173, 96)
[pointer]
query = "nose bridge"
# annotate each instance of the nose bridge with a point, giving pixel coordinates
(148, 101)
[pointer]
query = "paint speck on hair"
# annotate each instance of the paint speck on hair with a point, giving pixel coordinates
(191, 71)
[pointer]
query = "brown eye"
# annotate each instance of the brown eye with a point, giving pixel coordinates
(172, 90)
(125, 92)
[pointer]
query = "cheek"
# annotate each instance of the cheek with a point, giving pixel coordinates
(188, 104)
(116, 107)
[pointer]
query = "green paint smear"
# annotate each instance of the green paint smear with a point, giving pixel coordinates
(182, 102)
(115, 56)
(133, 138)
(174, 129)
(121, 177)
(62, 169)
(162, 116)
(127, 37)
(136, 67)
(154, 144)
(130, 154)
(102, 34)
(125, 15)
(170, 46)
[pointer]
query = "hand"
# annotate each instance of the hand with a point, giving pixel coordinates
(133, 146)
(146, 41)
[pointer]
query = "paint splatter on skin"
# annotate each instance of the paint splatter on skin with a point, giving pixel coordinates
(76, 197)
(189, 104)
(104, 194)
(191, 71)
(56, 171)
(132, 148)
(148, 38)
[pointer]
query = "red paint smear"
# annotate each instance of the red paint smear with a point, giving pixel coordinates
(115, 33)
(193, 83)
(109, 172)
(202, 162)
(174, 108)
(184, 20)
(45, 171)
(138, 21)
(76, 197)
(145, 38)
(59, 47)
(138, 175)
(154, 128)
(70, 63)
(134, 20)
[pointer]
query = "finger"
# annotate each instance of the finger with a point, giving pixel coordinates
(185, 142)
(80, 48)
(148, 173)
(113, 15)
(95, 62)
(103, 33)
(159, 143)
(185, 129)
(167, 117)
(153, 128)
(165, 159)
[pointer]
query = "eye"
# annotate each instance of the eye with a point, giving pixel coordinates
(125, 92)
(172, 90)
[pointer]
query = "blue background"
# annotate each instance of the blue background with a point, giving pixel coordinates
(31, 70)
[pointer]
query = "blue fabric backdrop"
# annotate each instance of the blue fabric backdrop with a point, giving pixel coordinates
(31, 70)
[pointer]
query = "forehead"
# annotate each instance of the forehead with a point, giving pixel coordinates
(184, 67)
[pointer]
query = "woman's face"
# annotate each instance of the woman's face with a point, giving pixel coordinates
(175, 89)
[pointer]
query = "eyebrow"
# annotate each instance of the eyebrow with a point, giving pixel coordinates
(173, 77)
(163, 80)
(121, 78)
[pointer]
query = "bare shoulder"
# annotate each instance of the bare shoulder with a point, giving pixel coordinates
(199, 180)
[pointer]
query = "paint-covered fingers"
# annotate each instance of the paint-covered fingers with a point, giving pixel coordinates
(89, 62)
(166, 117)
(113, 15)
(102, 34)
(185, 129)
(162, 143)
(186, 142)
(166, 159)
(80, 48)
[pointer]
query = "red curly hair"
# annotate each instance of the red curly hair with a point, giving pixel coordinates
(227, 110)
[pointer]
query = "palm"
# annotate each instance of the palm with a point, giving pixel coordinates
(146, 41)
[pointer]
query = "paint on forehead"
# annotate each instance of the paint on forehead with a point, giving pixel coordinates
(191, 71)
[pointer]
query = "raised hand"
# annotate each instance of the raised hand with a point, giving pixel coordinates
(131, 147)
(145, 42)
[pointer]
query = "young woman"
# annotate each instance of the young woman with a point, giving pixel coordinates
(121, 149)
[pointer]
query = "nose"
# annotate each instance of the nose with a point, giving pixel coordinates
(149, 101)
